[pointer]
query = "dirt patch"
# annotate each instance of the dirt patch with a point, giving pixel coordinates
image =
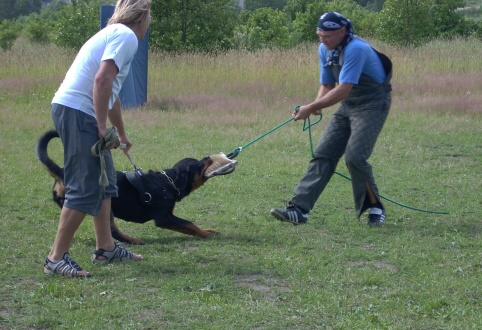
(376, 264)
(261, 282)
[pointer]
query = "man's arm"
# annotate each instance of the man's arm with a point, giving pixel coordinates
(103, 82)
(115, 117)
(324, 89)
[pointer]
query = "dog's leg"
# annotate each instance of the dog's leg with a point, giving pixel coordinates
(187, 227)
(193, 230)
(121, 237)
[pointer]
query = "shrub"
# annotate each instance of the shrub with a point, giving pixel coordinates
(8, 34)
(77, 23)
(267, 27)
(38, 30)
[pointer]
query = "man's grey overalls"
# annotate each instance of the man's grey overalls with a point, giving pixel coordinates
(353, 131)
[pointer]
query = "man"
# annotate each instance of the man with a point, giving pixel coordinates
(87, 97)
(358, 76)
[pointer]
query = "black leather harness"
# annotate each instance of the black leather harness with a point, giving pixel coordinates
(136, 179)
(149, 194)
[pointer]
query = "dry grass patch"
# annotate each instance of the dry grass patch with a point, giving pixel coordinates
(440, 92)
(261, 282)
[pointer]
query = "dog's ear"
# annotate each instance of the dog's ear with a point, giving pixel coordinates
(185, 171)
(195, 174)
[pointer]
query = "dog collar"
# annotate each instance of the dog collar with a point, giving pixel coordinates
(171, 182)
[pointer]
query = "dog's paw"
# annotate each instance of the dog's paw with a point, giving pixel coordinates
(135, 241)
(208, 233)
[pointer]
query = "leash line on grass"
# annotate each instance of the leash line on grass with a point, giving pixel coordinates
(414, 208)
(307, 127)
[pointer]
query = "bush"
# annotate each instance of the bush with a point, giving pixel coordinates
(192, 25)
(406, 22)
(363, 21)
(77, 23)
(8, 34)
(267, 27)
(307, 21)
(38, 30)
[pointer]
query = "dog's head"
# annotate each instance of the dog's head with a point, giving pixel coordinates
(191, 174)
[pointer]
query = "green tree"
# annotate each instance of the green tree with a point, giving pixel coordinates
(38, 29)
(406, 22)
(78, 22)
(472, 28)
(266, 27)
(362, 19)
(7, 9)
(192, 24)
(53, 11)
(10, 9)
(8, 34)
(26, 7)
(446, 20)
(414, 22)
(295, 7)
(307, 21)
(252, 5)
(373, 5)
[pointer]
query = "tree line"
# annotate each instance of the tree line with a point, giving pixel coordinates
(218, 25)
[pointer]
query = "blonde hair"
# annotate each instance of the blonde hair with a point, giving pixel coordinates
(129, 12)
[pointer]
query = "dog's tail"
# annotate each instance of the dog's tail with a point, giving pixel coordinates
(42, 154)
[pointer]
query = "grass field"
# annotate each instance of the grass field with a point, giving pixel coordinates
(422, 270)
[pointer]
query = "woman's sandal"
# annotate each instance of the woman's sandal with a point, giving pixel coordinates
(118, 254)
(65, 267)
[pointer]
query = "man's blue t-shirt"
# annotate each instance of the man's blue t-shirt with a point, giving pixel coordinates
(358, 57)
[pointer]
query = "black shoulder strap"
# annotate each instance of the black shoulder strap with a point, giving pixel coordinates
(135, 179)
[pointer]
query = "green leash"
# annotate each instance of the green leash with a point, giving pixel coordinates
(307, 127)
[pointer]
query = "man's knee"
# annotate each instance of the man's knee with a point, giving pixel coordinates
(355, 161)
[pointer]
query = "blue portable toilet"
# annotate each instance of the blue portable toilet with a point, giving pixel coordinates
(134, 89)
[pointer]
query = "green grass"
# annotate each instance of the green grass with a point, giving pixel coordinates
(420, 271)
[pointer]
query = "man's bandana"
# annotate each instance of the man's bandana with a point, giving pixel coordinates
(333, 21)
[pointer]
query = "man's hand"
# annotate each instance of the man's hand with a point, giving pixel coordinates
(304, 112)
(102, 131)
(125, 144)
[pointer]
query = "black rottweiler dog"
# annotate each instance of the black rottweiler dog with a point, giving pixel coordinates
(142, 196)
